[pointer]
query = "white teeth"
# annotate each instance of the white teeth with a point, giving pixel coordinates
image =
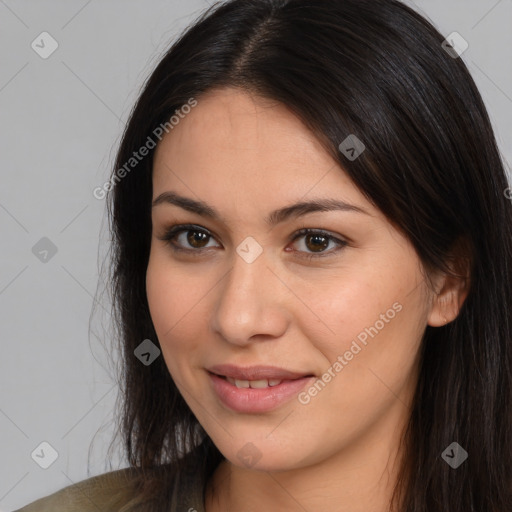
(256, 384)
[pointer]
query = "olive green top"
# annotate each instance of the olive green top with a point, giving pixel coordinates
(116, 491)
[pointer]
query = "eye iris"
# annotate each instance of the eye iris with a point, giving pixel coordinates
(196, 236)
(317, 238)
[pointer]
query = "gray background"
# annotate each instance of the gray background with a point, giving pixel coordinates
(61, 121)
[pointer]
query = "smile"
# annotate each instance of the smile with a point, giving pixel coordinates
(256, 396)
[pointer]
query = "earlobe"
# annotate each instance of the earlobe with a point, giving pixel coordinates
(448, 302)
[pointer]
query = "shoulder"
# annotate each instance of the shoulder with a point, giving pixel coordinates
(107, 492)
(178, 485)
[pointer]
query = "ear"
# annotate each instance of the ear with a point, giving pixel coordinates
(450, 290)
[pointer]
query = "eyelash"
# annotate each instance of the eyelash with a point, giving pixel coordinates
(173, 231)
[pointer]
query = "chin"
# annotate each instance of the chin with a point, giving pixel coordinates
(263, 455)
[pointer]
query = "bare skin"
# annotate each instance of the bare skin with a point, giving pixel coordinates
(338, 451)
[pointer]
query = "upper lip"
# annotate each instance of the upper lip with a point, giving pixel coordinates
(258, 372)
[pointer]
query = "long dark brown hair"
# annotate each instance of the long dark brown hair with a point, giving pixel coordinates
(375, 69)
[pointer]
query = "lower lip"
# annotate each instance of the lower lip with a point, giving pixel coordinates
(256, 400)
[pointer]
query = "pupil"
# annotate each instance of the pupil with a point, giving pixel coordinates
(317, 248)
(195, 236)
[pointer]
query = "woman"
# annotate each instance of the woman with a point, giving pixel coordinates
(311, 271)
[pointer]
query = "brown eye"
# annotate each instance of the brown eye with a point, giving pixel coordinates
(187, 238)
(197, 239)
(194, 240)
(316, 242)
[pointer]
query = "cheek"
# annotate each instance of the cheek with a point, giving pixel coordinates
(369, 326)
(174, 301)
(343, 307)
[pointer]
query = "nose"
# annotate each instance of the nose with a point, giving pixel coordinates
(251, 303)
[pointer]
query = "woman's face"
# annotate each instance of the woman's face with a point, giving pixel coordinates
(346, 316)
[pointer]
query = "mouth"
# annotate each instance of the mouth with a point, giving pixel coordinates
(256, 396)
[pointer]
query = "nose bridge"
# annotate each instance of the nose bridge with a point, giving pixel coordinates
(249, 300)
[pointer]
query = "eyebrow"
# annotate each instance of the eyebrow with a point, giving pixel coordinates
(275, 217)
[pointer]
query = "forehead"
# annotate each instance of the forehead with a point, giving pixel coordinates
(253, 148)
(229, 125)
